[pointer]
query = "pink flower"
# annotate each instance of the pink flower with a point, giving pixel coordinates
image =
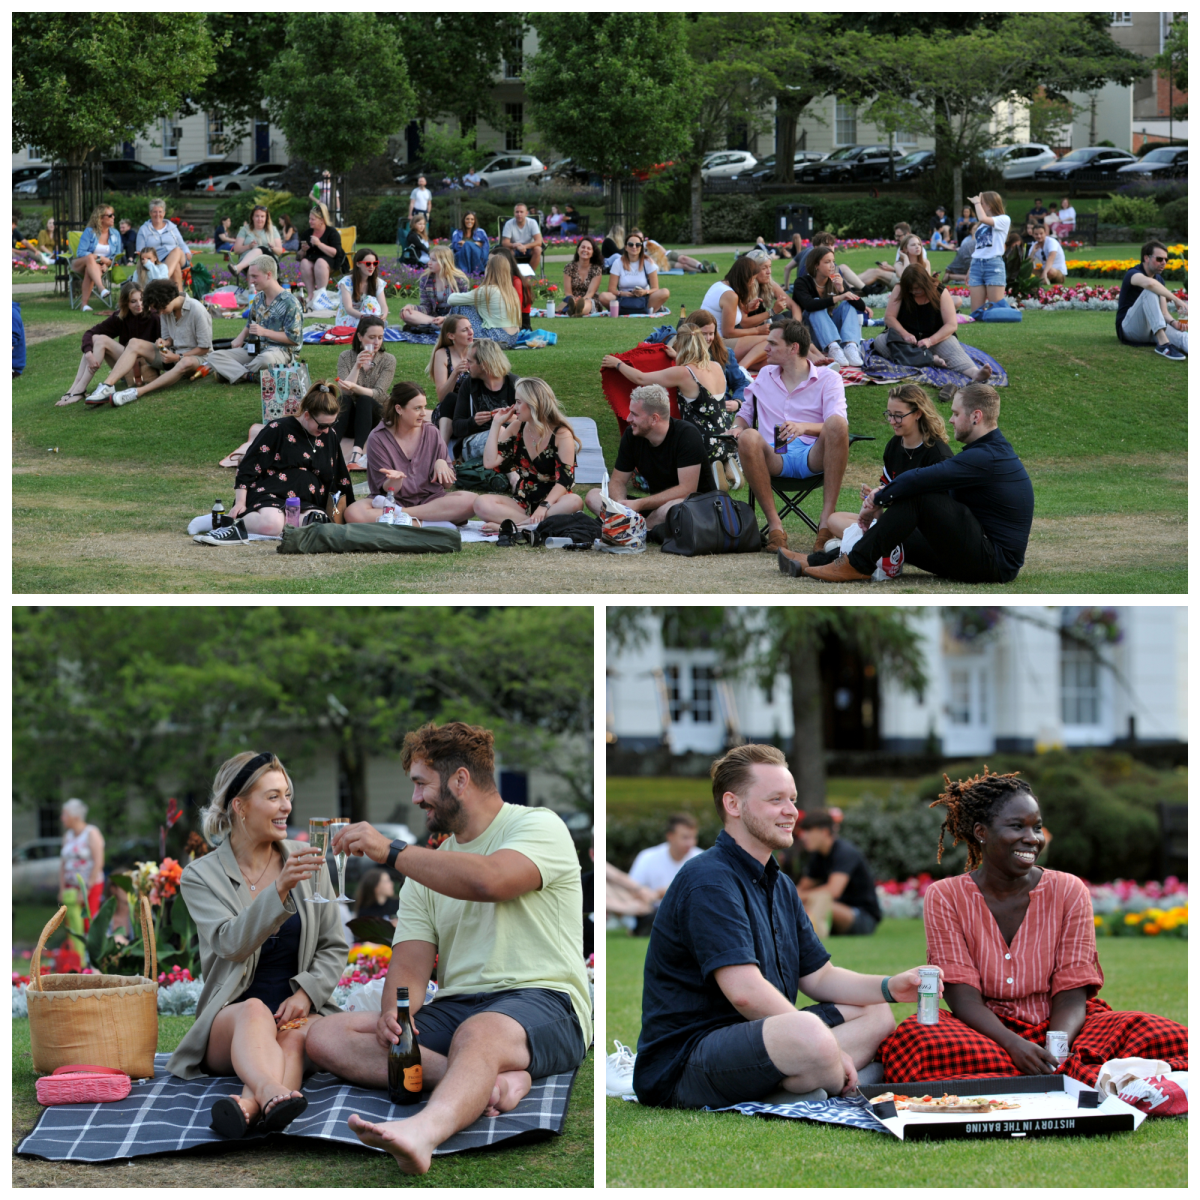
(291, 437)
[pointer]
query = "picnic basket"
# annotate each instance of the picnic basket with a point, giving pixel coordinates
(111, 1020)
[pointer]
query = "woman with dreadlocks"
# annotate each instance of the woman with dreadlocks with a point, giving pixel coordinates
(1017, 945)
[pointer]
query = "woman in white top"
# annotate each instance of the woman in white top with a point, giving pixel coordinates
(729, 301)
(361, 293)
(82, 857)
(633, 275)
(257, 236)
(986, 278)
(1066, 218)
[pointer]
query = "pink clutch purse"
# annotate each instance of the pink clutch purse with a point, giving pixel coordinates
(77, 1083)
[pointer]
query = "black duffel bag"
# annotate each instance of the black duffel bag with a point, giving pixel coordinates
(711, 523)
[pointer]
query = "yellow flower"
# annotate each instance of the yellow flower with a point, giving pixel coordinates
(1097, 921)
(1133, 918)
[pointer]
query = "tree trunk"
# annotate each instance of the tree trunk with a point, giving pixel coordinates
(352, 760)
(808, 744)
(958, 190)
(785, 142)
(697, 207)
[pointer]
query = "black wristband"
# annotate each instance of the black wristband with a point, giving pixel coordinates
(883, 987)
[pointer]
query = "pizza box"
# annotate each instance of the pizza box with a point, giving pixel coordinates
(1051, 1106)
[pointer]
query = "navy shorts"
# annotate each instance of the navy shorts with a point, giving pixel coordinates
(864, 924)
(556, 1042)
(731, 1065)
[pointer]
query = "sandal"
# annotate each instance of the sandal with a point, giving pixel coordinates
(358, 461)
(229, 1118)
(232, 460)
(69, 398)
(281, 1112)
(508, 533)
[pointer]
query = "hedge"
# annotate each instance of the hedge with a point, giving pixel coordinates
(742, 218)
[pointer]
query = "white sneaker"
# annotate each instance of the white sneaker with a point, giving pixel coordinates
(853, 354)
(103, 392)
(834, 351)
(128, 396)
(618, 1072)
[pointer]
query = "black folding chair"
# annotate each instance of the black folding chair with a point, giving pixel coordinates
(790, 493)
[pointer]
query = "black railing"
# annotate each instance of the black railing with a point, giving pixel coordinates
(74, 194)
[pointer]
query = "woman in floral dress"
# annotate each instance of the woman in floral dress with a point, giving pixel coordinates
(581, 278)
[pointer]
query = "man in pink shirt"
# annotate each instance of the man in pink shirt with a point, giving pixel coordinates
(809, 404)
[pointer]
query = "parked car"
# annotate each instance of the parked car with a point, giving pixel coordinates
(35, 868)
(195, 175)
(875, 166)
(34, 186)
(914, 164)
(1167, 162)
(21, 174)
(1020, 161)
(127, 174)
(509, 170)
(839, 167)
(566, 170)
(1092, 163)
(764, 170)
(728, 165)
(248, 177)
(407, 174)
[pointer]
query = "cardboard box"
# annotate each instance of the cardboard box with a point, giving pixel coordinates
(1050, 1107)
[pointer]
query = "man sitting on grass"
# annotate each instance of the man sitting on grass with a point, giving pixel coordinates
(967, 517)
(186, 337)
(499, 906)
(837, 889)
(275, 326)
(729, 950)
(1142, 316)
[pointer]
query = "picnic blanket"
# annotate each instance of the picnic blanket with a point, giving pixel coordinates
(165, 1114)
(837, 1110)
(881, 370)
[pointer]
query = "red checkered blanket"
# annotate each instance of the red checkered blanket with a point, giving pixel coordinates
(953, 1050)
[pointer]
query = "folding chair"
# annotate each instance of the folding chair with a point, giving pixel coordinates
(790, 493)
(349, 237)
(589, 461)
(74, 281)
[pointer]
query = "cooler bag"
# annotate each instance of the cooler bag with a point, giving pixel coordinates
(282, 390)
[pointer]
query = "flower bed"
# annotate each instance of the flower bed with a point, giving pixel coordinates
(1176, 267)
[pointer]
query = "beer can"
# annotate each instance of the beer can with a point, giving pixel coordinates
(1056, 1043)
(927, 996)
(780, 440)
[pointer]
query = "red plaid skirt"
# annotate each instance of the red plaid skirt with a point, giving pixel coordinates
(953, 1050)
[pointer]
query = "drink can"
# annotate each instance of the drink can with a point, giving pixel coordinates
(892, 565)
(927, 996)
(1056, 1043)
(780, 440)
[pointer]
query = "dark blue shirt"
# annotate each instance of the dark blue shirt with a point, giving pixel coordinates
(723, 909)
(989, 478)
(1128, 296)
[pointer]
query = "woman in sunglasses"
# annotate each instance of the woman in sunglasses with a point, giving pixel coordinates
(295, 457)
(361, 293)
(633, 278)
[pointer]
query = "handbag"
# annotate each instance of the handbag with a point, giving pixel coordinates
(77, 1083)
(282, 390)
(905, 354)
(632, 305)
(711, 523)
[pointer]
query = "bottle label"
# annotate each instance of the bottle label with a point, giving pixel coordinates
(412, 1078)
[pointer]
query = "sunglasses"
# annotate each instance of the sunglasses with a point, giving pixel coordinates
(369, 262)
(896, 418)
(329, 426)
(1159, 258)
(633, 245)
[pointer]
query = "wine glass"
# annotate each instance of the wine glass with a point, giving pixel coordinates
(318, 837)
(336, 825)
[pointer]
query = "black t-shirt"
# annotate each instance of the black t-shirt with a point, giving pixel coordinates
(897, 459)
(474, 396)
(1128, 296)
(659, 465)
(331, 237)
(847, 858)
(608, 248)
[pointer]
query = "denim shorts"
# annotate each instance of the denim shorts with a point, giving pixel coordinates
(795, 460)
(556, 1041)
(731, 1065)
(986, 272)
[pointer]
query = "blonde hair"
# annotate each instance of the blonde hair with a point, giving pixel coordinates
(544, 412)
(264, 264)
(497, 277)
(995, 205)
(319, 208)
(734, 771)
(491, 358)
(929, 420)
(690, 347)
(617, 233)
(216, 820)
(447, 270)
(97, 214)
(654, 399)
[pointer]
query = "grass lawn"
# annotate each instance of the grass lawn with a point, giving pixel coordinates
(629, 795)
(1110, 489)
(662, 1148)
(565, 1161)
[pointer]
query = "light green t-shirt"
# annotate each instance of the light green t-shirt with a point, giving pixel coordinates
(534, 941)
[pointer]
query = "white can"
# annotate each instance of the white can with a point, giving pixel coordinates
(927, 995)
(1056, 1043)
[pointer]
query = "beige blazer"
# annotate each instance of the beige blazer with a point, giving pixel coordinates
(234, 922)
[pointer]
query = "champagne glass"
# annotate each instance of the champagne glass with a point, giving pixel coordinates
(318, 837)
(336, 825)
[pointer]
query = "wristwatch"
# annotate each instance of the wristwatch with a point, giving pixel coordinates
(393, 850)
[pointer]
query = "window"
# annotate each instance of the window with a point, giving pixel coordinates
(1080, 687)
(514, 59)
(702, 694)
(216, 136)
(674, 698)
(171, 135)
(34, 154)
(968, 701)
(514, 120)
(847, 124)
(906, 137)
(1121, 18)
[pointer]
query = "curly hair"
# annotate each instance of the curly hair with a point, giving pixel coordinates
(974, 801)
(447, 747)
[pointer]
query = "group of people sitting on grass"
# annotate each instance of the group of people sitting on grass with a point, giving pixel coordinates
(732, 946)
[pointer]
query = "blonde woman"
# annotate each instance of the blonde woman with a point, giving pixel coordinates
(496, 303)
(440, 280)
(99, 247)
(270, 958)
(536, 445)
(489, 387)
(257, 236)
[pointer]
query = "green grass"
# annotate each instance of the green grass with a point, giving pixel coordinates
(662, 1148)
(106, 512)
(565, 1161)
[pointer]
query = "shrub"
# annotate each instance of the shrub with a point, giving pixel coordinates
(1161, 191)
(899, 838)
(377, 220)
(1175, 217)
(667, 205)
(737, 218)
(1134, 211)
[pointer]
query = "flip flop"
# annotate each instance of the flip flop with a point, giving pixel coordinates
(281, 1112)
(229, 1119)
(69, 398)
(232, 460)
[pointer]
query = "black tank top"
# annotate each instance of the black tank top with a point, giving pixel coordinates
(278, 964)
(921, 320)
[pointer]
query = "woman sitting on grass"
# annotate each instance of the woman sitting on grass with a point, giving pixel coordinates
(297, 457)
(361, 293)
(829, 309)
(1017, 947)
(436, 285)
(364, 373)
(633, 277)
(534, 442)
(289, 235)
(496, 303)
(470, 245)
(448, 367)
(729, 301)
(581, 278)
(416, 245)
(376, 896)
(257, 236)
(104, 343)
(406, 455)
(270, 958)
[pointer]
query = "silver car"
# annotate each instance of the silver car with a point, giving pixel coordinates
(1020, 162)
(248, 177)
(35, 867)
(510, 170)
(725, 166)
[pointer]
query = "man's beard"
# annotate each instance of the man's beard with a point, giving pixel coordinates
(767, 832)
(446, 814)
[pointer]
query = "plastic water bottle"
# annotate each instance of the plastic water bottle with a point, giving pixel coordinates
(614, 309)
(388, 516)
(291, 512)
(550, 307)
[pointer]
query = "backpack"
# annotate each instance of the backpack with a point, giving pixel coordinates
(202, 281)
(471, 475)
(711, 523)
(580, 527)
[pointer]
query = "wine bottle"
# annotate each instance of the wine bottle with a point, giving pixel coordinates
(404, 1058)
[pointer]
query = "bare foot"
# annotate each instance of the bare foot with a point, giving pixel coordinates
(511, 1088)
(412, 1157)
(985, 373)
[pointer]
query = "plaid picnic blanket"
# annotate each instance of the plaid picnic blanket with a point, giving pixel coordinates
(166, 1114)
(837, 1110)
(881, 370)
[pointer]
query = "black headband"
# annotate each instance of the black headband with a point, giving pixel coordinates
(239, 780)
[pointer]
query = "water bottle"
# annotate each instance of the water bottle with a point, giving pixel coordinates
(291, 512)
(550, 306)
(388, 516)
(218, 516)
(614, 309)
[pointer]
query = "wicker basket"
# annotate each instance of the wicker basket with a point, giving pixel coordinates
(111, 1020)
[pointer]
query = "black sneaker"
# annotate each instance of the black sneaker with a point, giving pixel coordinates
(1171, 352)
(232, 535)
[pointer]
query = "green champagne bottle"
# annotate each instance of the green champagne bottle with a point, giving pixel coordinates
(404, 1058)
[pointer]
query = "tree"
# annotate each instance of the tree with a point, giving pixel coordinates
(85, 82)
(613, 87)
(765, 642)
(1173, 63)
(338, 87)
